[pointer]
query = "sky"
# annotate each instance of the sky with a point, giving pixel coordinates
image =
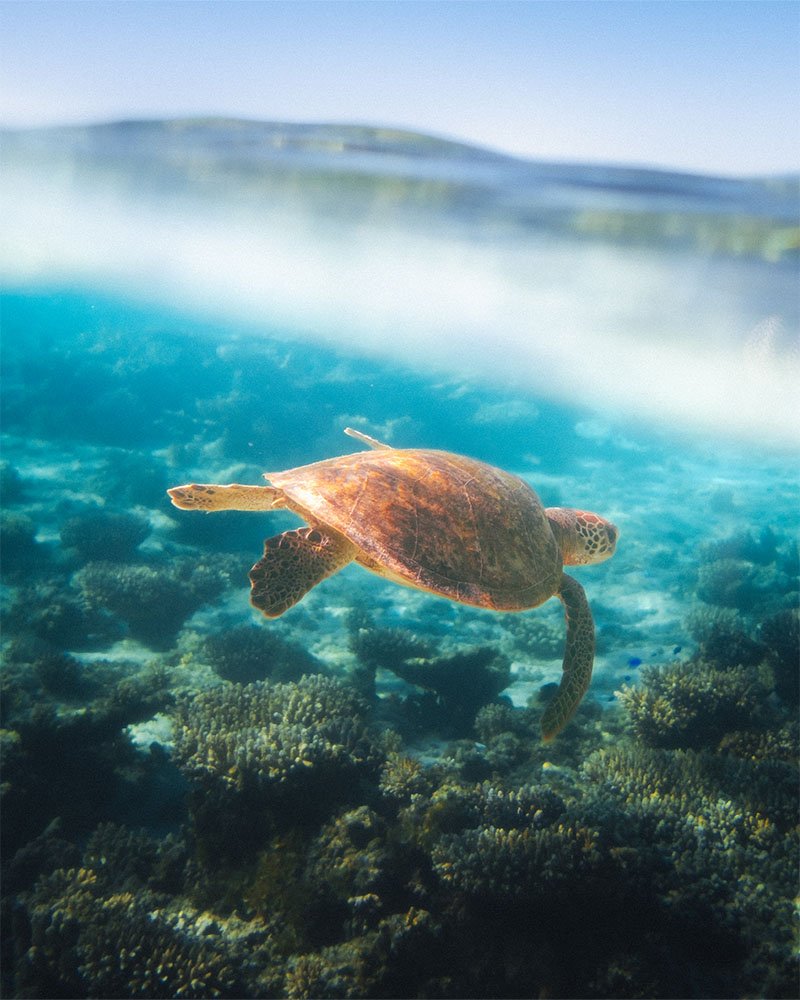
(709, 87)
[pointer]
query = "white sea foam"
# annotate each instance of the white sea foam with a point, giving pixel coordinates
(657, 336)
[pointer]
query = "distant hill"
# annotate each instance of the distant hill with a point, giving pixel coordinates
(352, 172)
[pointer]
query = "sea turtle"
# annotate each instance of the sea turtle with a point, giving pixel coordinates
(432, 520)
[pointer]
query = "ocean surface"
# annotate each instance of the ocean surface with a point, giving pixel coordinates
(353, 800)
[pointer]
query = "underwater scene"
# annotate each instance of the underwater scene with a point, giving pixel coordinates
(354, 798)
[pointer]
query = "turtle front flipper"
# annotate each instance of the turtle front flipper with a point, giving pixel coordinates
(211, 496)
(292, 564)
(578, 658)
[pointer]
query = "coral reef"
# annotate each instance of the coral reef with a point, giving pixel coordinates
(101, 535)
(320, 863)
(755, 575)
(537, 636)
(99, 774)
(48, 611)
(399, 958)
(22, 554)
(271, 732)
(729, 686)
(722, 636)
(193, 806)
(353, 870)
(250, 653)
(385, 647)
(781, 635)
(734, 583)
(462, 682)
(456, 685)
(402, 778)
(11, 486)
(154, 601)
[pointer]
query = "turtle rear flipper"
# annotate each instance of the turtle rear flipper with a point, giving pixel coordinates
(578, 658)
(292, 564)
(211, 496)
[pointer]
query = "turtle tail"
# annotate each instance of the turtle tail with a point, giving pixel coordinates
(578, 658)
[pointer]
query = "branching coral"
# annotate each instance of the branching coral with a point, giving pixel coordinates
(351, 863)
(403, 778)
(61, 674)
(270, 754)
(536, 635)
(497, 719)
(271, 732)
(694, 704)
(48, 611)
(89, 942)
(119, 925)
(386, 647)
(394, 960)
(453, 808)
(494, 861)
(716, 841)
(486, 840)
(760, 550)
(93, 759)
(464, 681)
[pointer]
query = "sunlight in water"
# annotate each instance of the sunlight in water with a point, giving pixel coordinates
(673, 338)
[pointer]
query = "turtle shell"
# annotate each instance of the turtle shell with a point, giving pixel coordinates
(435, 521)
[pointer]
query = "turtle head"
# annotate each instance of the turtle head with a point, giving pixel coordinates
(583, 537)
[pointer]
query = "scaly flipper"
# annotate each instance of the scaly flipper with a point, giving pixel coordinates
(292, 564)
(578, 658)
(210, 496)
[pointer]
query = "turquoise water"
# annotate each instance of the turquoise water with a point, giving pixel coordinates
(209, 301)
